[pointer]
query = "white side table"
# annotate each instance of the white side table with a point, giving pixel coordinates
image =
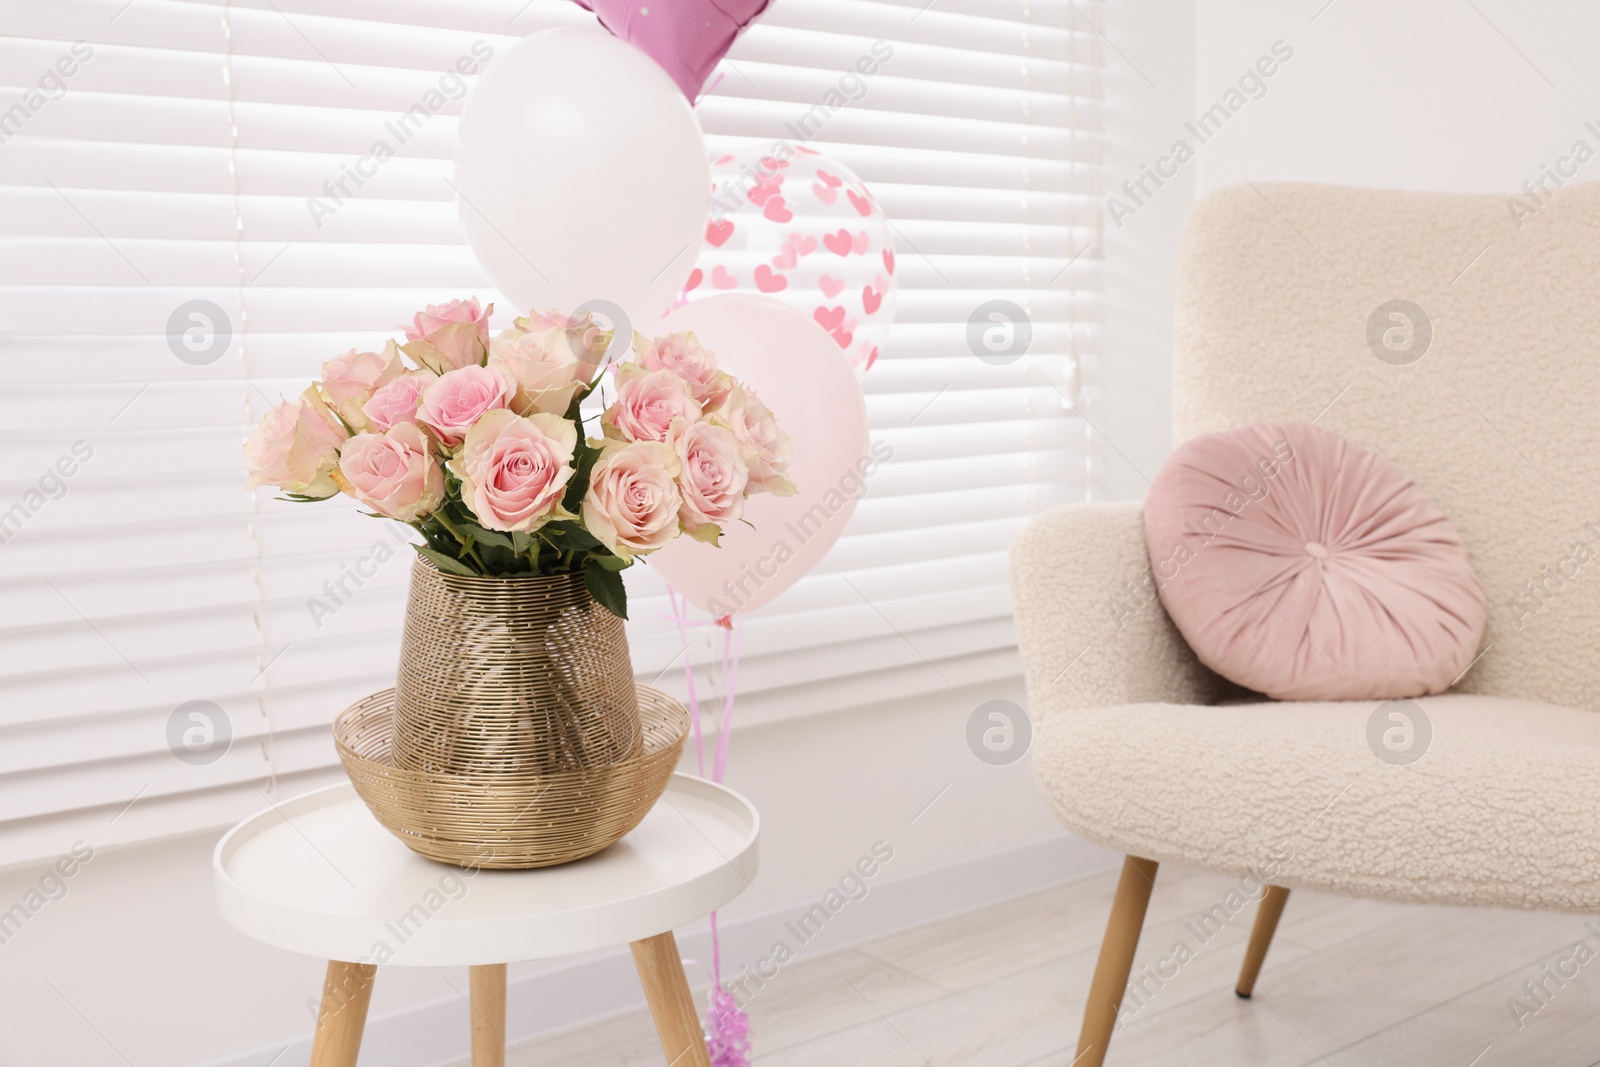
(318, 875)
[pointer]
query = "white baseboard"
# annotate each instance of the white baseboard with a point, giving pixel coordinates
(602, 983)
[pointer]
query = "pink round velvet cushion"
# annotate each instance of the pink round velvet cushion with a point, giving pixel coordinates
(1301, 566)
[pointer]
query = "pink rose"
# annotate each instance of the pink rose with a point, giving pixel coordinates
(711, 479)
(395, 473)
(436, 317)
(451, 404)
(646, 404)
(514, 469)
(545, 366)
(296, 447)
(633, 501)
(767, 448)
(348, 381)
(681, 354)
(445, 337)
(585, 338)
(553, 318)
(397, 402)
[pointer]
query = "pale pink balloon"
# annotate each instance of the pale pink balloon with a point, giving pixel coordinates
(801, 374)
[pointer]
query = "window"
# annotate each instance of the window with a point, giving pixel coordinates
(168, 273)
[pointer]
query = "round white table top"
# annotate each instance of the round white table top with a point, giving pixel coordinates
(317, 874)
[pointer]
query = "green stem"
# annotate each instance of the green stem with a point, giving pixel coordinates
(564, 558)
(459, 536)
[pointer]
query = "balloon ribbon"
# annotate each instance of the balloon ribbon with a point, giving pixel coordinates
(727, 1026)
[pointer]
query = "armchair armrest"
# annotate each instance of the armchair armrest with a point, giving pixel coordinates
(1090, 627)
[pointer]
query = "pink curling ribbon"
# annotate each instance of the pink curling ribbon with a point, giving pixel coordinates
(727, 1026)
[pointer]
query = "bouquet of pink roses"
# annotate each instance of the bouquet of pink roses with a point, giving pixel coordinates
(479, 444)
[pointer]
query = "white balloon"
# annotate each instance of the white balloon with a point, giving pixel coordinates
(581, 175)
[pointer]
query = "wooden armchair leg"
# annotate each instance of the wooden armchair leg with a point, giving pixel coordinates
(1267, 916)
(1116, 960)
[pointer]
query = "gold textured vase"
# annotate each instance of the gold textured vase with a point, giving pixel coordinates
(511, 676)
(508, 822)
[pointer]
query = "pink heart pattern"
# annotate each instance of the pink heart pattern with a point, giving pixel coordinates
(829, 319)
(765, 188)
(769, 282)
(789, 209)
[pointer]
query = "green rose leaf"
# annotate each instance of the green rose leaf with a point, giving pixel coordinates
(607, 588)
(448, 564)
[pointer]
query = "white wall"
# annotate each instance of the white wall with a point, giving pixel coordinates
(1411, 94)
(1418, 94)
(1149, 93)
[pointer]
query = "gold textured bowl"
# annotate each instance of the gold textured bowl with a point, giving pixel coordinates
(509, 822)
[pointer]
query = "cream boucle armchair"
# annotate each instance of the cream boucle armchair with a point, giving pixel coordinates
(1487, 795)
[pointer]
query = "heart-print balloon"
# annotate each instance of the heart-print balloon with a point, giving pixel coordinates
(687, 37)
(802, 228)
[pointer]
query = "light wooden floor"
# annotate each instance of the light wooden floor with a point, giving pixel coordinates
(1348, 984)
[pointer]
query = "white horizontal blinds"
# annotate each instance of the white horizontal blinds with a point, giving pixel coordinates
(176, 166)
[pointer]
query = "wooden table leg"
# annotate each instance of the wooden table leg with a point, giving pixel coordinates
(671, 1004)
(342, 1016)
(489, 1015)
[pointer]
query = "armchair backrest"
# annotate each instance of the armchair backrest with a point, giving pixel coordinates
(1459, 336)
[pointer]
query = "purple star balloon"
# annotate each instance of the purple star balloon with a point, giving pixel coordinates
(687, 37)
